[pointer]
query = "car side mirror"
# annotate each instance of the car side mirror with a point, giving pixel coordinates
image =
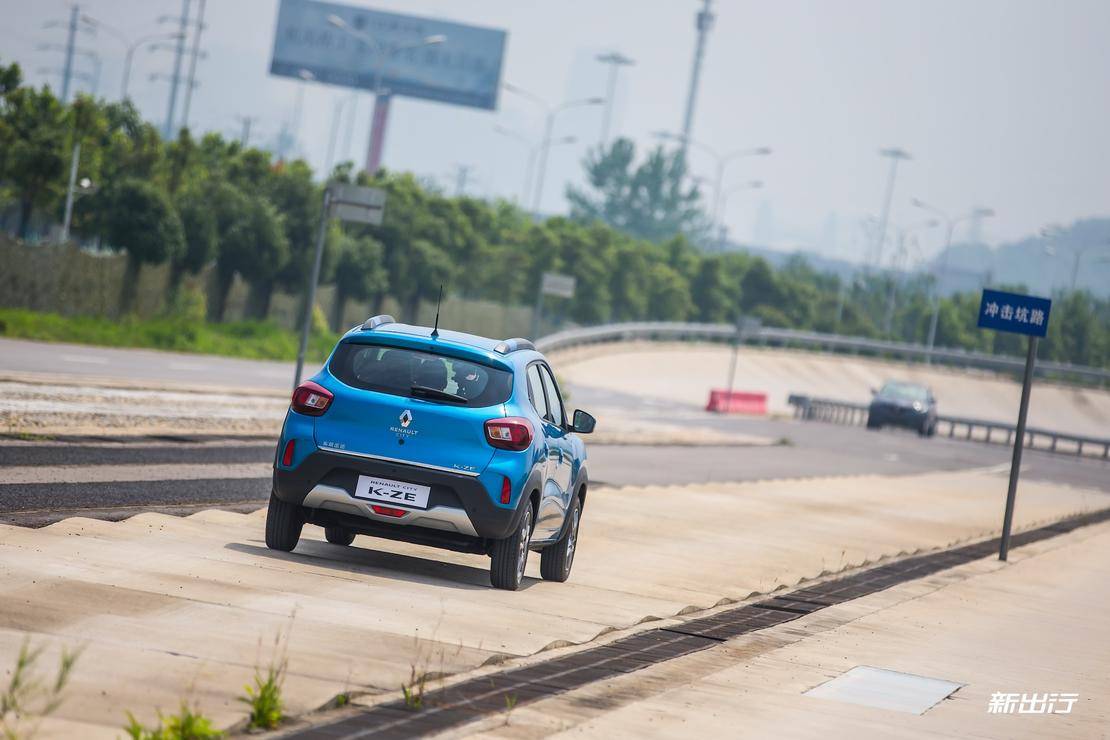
(583, 422)
(874, 391)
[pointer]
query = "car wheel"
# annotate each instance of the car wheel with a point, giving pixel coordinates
(284, 522)
(556, 560)
(339, 535)
(510, 555)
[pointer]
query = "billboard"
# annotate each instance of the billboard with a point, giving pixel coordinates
(465, 69)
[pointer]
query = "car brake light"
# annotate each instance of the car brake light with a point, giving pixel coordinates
(311, 399)
(387, 510)
(287, 455)
(506, 490)
(509, 433)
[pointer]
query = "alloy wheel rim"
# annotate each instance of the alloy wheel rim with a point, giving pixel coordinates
(572, 539)
(522, 553)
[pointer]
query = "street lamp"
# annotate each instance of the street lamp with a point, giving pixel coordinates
(615, 60)
(381, 55)
(532, 149)
(131, 45)
(549, 122)
(721, 160)
(939, 276)
(750, 185)
(1077, 252)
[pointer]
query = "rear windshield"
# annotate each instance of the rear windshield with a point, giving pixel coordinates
(406, 372)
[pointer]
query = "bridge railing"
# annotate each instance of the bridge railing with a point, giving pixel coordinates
(681, 331)
(983, 430)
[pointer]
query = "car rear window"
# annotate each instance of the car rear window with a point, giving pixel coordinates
(904, 392)
(406, 372)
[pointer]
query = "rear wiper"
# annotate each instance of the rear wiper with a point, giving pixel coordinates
(425, 392)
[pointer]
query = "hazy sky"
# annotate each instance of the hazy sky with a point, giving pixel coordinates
(1002, 103)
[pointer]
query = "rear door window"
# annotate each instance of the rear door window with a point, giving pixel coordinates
(535, 390)
(554, 403)
(416, 374)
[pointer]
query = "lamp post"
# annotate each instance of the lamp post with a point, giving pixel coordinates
(381, 54)
(750, 185)
(615, 60)
(532, 149)
(721, 161)
(549, 123)
(951, 223)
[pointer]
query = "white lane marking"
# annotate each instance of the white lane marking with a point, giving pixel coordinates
(119, 473)
(85, 359)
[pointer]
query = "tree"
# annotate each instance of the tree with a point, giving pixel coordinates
(198, 222)
(141, 220)
(651, 201)
(34, 145)
(710, 292)
(358, 274)
(253, 246)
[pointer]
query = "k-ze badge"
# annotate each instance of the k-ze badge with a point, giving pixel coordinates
(392, 492)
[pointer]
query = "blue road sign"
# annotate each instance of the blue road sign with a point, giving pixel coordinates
(1012, 312)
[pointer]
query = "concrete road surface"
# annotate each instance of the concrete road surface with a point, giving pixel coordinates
(1035, 626)
(170, 608)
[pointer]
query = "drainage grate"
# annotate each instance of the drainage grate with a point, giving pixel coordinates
(485, 695)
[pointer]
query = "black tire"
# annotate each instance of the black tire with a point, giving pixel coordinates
(339, 535)
(284, 522)
(510, 555)
(556, 560)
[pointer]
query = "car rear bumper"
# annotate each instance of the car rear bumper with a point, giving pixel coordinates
(459, 506)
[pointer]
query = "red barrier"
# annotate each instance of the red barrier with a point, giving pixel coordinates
(737, 402)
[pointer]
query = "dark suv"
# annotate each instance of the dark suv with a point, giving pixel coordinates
(903, 404)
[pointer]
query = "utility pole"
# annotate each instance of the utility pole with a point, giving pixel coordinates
(196, 52)
(68, 217)
(245, 136)
(704, 24)
(167, 129)
(615, 60)
(462, 174)
(895, 155)
(67, 72)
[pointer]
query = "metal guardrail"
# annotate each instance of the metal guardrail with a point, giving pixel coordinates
(982, 430)
(668, 330)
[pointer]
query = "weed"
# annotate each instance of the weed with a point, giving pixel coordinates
(510, 703)
(28, 699)
(188, 724)
(413, 691)
(264, 697)
(342, 700)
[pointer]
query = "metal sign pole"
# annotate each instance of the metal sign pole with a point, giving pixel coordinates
(1019, 443)
(311, 300)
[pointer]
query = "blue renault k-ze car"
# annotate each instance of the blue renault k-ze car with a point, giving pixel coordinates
(437, 438)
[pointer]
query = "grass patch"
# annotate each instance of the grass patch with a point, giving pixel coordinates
(259, 340)
(187, 724)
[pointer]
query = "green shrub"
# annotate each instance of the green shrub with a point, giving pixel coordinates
(188, 724)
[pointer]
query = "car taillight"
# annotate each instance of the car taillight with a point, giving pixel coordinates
(387, 510)
(311, 399)
(287, 456)
(509, 433)
(506, 490)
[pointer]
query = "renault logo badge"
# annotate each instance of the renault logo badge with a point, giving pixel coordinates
(406, 418)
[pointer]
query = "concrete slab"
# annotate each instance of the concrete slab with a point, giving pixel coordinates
(1034, 625)
(170, 608)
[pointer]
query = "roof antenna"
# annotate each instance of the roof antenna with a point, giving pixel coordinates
(435, 329)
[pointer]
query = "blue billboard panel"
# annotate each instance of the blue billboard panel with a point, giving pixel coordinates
(1013, 312)
(464, 69)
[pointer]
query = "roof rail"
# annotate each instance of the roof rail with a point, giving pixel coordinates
(515, 344)
(375, 321)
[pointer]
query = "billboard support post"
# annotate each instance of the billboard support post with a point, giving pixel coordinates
(378, 123)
